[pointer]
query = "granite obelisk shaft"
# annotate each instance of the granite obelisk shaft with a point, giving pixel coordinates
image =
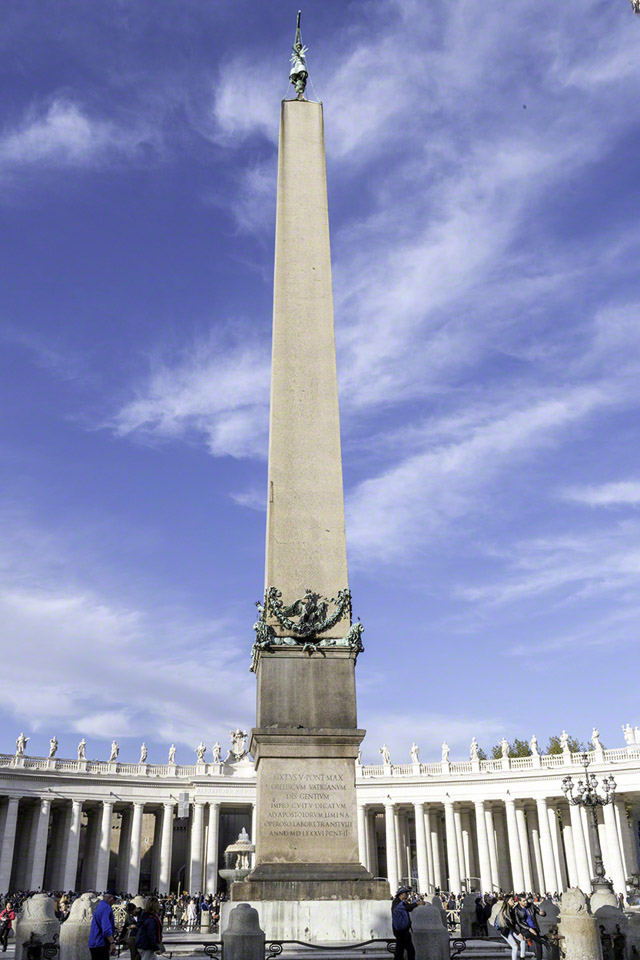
(306, 545)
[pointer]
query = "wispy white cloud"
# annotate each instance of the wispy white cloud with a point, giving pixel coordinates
(623, 493)
(254, 499)
(213, 391)
(62, 133)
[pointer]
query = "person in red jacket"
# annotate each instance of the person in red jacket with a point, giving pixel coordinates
(6, 921)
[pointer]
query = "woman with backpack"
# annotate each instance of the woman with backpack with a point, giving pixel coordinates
(401, 924)
(149, 933)
(508, 928)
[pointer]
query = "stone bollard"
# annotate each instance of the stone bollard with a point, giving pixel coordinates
(468, 915)
(74, 934)
(243, 939)
(436, 902)
(612, 923)
(430, 938)
(578, 927)
(37, 923)
(205, 920)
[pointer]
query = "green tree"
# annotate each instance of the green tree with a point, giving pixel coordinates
(575, 746)
(481, 754)
(519, 748)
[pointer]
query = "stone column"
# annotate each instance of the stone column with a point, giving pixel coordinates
(72, 845)
(615, 855)
(195, 870)
(493, 854)
(90, 846)
(421, 849)
(104, 848)
(626, 838)
(133, 876)
(166, 848)
(502, 847)
(570, 853)
(434, 823)
(546, 848)
(362, 832)
(155, 850)
(467, 844)
(514, 846)
(536, 851)
(8, 843)
(392, 851)
(524, 848)
(452, 847)
(427, 838)
(457, 819)
(212, 848)
(483, 847)
(124, 848)
(40, 847)
(580, 849)
(372, 845)
(585, 819)
(556, 842)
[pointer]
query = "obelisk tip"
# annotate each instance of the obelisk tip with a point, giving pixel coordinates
(298, 73)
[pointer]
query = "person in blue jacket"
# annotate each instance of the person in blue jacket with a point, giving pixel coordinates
(401, 923)
(103, 929)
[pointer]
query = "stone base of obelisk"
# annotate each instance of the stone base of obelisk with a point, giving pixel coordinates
(320, 920)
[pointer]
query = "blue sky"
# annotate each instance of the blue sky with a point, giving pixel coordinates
(484, 203)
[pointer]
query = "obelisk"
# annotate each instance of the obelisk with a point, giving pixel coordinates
(306, 738)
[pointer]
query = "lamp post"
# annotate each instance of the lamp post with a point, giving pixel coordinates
(588, 797)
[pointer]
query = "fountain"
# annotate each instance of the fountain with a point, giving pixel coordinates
(237, 859)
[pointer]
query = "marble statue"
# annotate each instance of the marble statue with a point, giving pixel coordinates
(359, 757)
(564, 741)
(533, 746)
(53, 747)
(216, 752)
(629, 738)
(445, 752)
(115, 750)
(595, 739)
(414, 753)
(200, 752)
(21, 743)
(238, 744)
(473, 749)
(172, 753)
(636, 734)
(82, 749)
(386, 756)
(143, 753)
(504, 747)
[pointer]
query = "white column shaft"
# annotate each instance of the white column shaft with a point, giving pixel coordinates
(453, 859)
(166, 849)
(514, 846)
(580, 850)
(434, 824)
(133, 878)
(493, 855)
(102, 868)
(421, 849)
(40, 847)
(212, 848)
(362, 832)
(616, 865)
(524, 849)
(483, 847)
(8, 843)
(72, 847)
(626, 839)
(502, 847)
(195, 874)
(462, 866)
(392, 854)
(546, 848)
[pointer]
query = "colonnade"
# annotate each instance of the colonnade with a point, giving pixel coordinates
(41, 844)
(542, 844)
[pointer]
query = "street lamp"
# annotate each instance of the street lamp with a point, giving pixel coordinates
(588, 797)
